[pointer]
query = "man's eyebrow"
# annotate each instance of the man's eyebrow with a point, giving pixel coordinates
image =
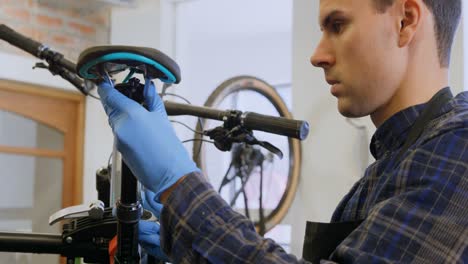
(327, 19)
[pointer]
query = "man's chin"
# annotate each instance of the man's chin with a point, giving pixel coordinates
(348, 111)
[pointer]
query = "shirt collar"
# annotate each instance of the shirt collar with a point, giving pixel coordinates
(391, 135)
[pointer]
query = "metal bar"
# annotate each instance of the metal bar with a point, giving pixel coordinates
(31, 243)
(127, 216)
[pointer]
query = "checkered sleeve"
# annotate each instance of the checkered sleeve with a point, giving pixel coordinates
(198, 226)
(425, 217)
(418, 215)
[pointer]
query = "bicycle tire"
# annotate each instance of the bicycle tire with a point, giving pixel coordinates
(250, 83)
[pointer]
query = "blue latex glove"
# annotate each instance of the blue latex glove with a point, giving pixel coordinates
(146, 138)
(149, 203)
(150, 240)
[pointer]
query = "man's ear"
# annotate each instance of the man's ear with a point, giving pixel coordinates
(411, 12)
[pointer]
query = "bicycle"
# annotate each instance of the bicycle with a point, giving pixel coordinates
(94, 232)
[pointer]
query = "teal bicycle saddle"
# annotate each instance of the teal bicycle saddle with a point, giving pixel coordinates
(113, 59)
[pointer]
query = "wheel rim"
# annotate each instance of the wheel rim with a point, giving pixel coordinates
(248, 83)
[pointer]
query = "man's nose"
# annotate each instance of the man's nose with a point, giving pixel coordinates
(323, 56)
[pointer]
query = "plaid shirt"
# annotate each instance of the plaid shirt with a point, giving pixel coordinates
(414, 211)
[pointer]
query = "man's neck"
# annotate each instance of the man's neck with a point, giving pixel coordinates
(413, 91)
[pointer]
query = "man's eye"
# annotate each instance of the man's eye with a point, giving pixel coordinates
(336, 26)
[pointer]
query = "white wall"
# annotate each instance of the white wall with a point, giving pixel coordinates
(332, 152)
(207, 59)
(139, 26)
(219, 39)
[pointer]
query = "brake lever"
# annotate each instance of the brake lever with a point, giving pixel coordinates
(270, 147)
(251, 140)
(223, 139)
(40, 65)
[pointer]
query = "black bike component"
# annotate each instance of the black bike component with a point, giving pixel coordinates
(277, 125)
(148, 61)
(129, 212)
(240, 154)
(220, 137)
(290, 128)
(103, 185)
(85, 238)
(58, 65)
(270, 147)
(242, 170)
(35, 243)
(224, 137)
(133, 89)
(18, 40)
(53, 244)
(90, 238)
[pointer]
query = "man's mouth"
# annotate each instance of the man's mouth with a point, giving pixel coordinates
(332, 82)
(334, 89)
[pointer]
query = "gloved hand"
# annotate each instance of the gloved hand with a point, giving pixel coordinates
(146, 138)
(150, 240)
(149, 203)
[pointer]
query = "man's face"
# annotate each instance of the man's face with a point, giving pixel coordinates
(360, 55)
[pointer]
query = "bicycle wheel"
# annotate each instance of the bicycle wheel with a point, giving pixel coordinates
(240, 174)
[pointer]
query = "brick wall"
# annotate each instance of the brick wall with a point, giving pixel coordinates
(67, 26)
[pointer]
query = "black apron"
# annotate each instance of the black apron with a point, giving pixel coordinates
(321, 239)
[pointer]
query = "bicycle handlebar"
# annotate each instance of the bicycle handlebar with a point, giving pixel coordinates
(272, 124)
(67, 70)
(14, 38)
(33, 47)
(278, 125)
(57, 63)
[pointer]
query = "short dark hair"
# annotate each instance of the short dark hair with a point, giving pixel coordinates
(446, 14)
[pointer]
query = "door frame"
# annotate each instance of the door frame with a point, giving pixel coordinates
(59, 109)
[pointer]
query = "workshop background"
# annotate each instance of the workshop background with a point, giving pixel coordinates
(211, 40)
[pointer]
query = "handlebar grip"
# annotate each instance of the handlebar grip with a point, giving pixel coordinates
(175, 109)
(277, 125)
(272, 124)
(18, 40)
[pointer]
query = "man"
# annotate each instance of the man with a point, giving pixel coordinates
(383, 58)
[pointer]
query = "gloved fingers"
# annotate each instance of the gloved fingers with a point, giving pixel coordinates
(103, 90)
(150, 204)
(152, 98)
(150, 240)
(148, 232)
(149, 92)
(104, 87)
(113, 100)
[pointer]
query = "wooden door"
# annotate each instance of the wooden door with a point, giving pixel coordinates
(41, 153)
